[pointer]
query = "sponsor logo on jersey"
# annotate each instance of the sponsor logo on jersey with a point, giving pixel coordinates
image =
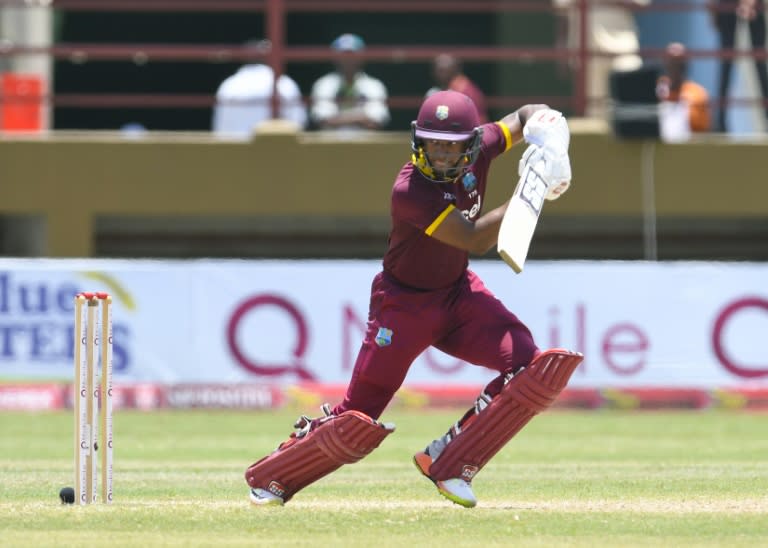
(384, 336)
(449, 197)
(441, 112)
(471, 213)
(469, 181)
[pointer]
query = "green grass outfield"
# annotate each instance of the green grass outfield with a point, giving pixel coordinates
(569, 479)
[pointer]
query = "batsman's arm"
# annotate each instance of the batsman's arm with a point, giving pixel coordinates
(516, 120)
(477, 238)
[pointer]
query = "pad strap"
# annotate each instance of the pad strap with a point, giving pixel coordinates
(529, 392)
(300, 461)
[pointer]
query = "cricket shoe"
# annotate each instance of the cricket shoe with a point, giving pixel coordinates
(456, 490)
(262, 497)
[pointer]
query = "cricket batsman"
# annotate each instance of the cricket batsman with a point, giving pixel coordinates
(425, 295)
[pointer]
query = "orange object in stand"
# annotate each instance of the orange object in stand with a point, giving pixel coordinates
(21, 102)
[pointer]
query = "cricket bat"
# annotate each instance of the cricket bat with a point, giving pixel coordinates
(519, 222)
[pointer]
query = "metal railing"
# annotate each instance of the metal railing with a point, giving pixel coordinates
(281, 53)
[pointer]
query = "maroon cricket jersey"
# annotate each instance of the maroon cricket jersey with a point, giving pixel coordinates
(414, 258)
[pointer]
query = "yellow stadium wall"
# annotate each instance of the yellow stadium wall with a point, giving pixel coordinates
(72, 180)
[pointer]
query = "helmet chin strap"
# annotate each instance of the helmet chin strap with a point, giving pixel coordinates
(450, 174)
(422, 162)
(446, 177)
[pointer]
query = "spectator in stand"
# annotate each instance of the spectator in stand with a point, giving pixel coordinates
(684, 103)
(244, 100)
(348, 98)
(611, 30)
(726, 15)
(448, 74)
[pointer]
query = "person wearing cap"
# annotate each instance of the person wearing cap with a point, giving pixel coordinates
(244, 99)
(426, 296)
(684, 104)
(348, 98)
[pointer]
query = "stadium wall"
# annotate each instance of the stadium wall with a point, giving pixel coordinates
(314, 195)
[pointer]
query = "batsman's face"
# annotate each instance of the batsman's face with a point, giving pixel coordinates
(444, 154)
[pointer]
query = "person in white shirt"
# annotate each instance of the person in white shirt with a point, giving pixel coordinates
(348, 98)
(612, 33)
(244, 101)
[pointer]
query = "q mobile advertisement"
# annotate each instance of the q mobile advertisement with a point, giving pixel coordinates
(182, 330)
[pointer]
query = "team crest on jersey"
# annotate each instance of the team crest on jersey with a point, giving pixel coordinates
(469, 181)
(441, 112)
(384, 336)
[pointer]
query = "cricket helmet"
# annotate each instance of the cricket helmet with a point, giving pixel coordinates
(446, 116)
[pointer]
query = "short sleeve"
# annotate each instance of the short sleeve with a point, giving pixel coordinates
(376, 100)
(324, 98)
(497, 139)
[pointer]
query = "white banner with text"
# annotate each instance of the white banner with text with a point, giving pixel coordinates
(639, 324)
